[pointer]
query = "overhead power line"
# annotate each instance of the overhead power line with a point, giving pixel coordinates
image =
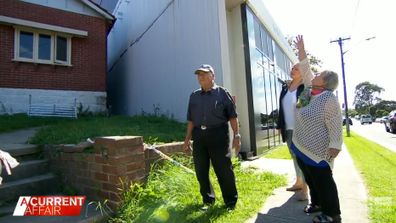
(141, 35)
(355, 15)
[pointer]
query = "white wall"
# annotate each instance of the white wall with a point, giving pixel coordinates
(224, 46)
(16, 100)
(158, 69)
(238, 73)
(67, 5)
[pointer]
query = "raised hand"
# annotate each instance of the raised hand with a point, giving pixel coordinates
(299, 44)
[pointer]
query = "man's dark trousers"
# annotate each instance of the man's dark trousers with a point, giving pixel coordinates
(211, 145)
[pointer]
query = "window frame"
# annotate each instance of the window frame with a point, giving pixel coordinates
(38, 50)
(17, 46)
(68, 49)
(36, 38)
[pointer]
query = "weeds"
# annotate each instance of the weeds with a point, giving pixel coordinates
(172, 195)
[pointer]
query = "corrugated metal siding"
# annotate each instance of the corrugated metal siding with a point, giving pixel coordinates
(157, 71)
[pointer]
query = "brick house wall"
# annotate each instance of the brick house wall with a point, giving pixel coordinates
(88, 57)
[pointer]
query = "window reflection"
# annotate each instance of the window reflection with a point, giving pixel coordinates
(26, 45)
(269, 65)
(61, 48)
(44, 49)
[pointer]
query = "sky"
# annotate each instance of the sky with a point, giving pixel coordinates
(321, 21)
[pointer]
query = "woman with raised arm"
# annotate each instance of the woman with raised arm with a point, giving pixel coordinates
(317, 137)
(291, 90)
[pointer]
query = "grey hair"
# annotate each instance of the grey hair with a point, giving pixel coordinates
(331, 80)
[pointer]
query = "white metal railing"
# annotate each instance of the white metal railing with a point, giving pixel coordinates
(46, 110)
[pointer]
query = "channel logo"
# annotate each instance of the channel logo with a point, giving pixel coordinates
(49, 206)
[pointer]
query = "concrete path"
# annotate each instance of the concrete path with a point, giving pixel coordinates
(18, 137)
(283, 207)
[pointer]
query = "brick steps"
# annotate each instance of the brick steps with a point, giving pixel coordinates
(25, 169)
(6, 209)
(30, 177)
(36, 185)
(18, 150)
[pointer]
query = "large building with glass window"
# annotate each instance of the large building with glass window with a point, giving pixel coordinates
(155, 46)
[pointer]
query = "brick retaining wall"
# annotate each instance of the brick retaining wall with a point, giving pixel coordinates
(98, 172)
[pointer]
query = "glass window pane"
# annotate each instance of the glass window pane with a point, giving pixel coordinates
(270, 48)
(264, 39)
(26, 45)
(257, 35)
(274, 111)
(278, 88)
(264, 83)
(280, 57)
(61, 48)
(44, 47)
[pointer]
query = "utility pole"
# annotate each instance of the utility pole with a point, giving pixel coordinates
(340, 42)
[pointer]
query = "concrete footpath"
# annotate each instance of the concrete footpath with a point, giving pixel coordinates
(18, 137)
(283, 207)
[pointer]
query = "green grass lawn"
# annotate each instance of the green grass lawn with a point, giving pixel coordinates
(10, 123)
(378, 168)
(172, 195)
(280, 152)
(154, 129)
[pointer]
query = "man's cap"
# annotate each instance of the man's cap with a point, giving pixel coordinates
(205, 68)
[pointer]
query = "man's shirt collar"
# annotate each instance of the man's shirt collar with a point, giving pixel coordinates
(214, 87)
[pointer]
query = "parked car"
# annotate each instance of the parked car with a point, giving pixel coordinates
(383, 119)
(269, 126)
(366, 119)
(349, 121)
(390, 124)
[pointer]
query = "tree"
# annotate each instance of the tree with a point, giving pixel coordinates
(366, 95)
(380, 113)
(352, 113)
(383, 107)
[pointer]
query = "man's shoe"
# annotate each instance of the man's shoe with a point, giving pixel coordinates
(206, 206)
(230, 207)
(322, 218)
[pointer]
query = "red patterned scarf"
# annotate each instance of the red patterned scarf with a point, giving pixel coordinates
(316, 91)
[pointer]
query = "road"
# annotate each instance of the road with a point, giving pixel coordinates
(376, 133)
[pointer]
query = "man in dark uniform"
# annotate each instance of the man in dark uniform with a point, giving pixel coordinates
(209, 110)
